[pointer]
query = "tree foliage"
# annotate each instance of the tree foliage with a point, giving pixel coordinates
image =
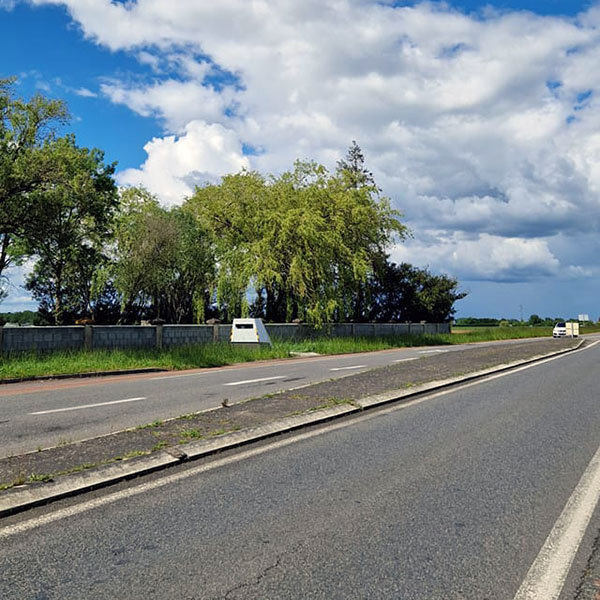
(27, 134)
(72, 219)
(163, 263)
(297, 239)
(406, 293)
(307, 244)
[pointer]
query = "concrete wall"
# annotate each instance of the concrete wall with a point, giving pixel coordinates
(21, 339)
(123, 336)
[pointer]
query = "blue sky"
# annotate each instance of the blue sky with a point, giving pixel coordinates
(478, 120)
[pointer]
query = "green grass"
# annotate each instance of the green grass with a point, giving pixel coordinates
(215, 355)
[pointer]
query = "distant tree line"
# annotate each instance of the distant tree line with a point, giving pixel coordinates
(533, 321)
(306, 245)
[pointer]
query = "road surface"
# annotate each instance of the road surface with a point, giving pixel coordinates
(451, 497)
(42, 414)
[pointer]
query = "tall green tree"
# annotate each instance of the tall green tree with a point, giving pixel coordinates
(163, 261)
(27, 134)
(402, 292)
(359, 182)
(71, 220)
(296, 239)
(353, 171)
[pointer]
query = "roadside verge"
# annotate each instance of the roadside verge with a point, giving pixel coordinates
(40, 477)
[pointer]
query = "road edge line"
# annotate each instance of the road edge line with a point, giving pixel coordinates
(547, 575)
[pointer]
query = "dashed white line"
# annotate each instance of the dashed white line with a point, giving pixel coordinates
(347, 368)
(406, 359)
(432, 351)
(82, 406)
(256, 380)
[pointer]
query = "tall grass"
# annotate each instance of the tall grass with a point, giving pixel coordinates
(220, 354)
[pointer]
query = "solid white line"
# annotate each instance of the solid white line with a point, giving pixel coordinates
(176, 376)
(70, 511)
(406, 359)
(548, 573)
(57, 410)
(256, 380)
(347, 368)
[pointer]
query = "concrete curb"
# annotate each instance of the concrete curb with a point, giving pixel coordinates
(84, 375)
(17, 500)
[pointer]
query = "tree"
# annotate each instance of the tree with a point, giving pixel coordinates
(27, 134)
(297, 239)
(163, 262)
(83, 295)
(70, 222)
(357, 180)
(406, 293)
(353, 171)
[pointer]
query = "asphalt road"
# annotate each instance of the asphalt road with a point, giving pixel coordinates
(448, 498)
(42, 414)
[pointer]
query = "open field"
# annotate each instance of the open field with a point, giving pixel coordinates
(214, 355)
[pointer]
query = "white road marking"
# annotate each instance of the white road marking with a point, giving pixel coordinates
(431, 351)
(347, 368)
(406, 359)
(71, 511)
(548, 573)
(256, 380)
(57, 410)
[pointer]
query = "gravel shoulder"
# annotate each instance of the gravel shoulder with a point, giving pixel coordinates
(38, 468)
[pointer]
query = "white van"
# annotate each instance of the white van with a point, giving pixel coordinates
(563, 329)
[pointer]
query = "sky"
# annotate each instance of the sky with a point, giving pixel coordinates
(480, 121)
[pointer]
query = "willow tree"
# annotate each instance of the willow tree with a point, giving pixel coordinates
(298, 240)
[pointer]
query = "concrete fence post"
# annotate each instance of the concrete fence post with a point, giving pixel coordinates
(159, 336)
(88, 338)
(215, 329)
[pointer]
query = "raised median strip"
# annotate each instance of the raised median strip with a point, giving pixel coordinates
(40, 477)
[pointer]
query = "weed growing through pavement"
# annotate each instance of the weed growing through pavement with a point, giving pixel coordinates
(187, 417)
(156, 423)
(134, 453)
(44, 477)
(190, 434)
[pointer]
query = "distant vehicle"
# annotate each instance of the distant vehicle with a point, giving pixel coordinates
(563, 329)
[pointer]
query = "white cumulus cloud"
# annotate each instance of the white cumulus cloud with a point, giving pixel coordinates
(175, 164)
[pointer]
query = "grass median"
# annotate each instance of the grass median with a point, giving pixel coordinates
(23, 365)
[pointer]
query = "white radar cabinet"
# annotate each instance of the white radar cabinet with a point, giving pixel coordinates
(249, 332)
